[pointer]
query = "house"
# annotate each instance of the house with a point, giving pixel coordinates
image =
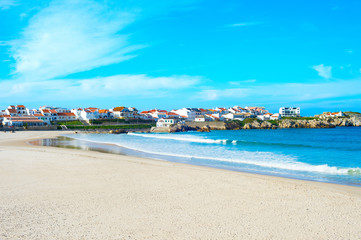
(266, 116)
(173, 115)
(123, 112)
(66, 116)
(22, 121)
(11, 110)
(46, 115)
(89, 114)
(257, 110)
(333, 114)
(105, 114)
(204, 118)
(275, 116)
(166, 122)
(189, 113)
(233, 116)
(21, 110)
(290, 111)
(146, 115)
(2, 116)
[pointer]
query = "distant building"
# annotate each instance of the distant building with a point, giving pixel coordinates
(204, 118)
(333, 114)
(22, 121)
(290, 111)
(166, 122)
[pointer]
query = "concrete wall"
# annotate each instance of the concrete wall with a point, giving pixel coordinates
(213, 125)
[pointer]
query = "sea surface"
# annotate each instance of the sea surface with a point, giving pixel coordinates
(326, 155)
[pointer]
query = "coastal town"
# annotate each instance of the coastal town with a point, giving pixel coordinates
(47, 116)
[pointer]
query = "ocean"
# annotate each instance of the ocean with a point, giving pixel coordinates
(325, 155)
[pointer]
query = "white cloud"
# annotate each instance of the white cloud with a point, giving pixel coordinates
(323, 71)
(71, 36)
(6, 4)
(216, 94)
(243, 24)
(102, 87)
(289, 92)
(239, 83)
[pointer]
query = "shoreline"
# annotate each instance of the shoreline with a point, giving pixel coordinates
(158, 199)
(112, 148)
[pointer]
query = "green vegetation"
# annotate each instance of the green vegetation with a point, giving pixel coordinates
(234, 124)
(274, 122)
(301, 118)
(133, 126)
(128, 121)
(70, 123)
(352, 113)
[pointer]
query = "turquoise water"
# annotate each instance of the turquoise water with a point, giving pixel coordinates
(327, 155)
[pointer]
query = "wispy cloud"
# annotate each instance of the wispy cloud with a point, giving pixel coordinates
(243, 24)
(323, 71)
(288, 92)
(72, 36)
(239, 83)
(6, 4)
(141, 86)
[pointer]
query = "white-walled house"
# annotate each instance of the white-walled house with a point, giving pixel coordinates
(22, 121)
(166, 122)
(204, 118)
(125, 112)
(188, 113)
(66, 116)
(105, 114)
(276, 116)
(266, 116)
(233, 116)
(89, 114)
(333, 114)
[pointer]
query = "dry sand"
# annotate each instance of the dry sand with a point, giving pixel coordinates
(53, 193)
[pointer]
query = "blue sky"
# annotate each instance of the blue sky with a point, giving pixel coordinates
(79, 53)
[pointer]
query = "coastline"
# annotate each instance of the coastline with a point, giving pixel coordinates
(82, 194)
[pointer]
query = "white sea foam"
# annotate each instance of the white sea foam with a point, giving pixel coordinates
(260, 159)
(179, 138)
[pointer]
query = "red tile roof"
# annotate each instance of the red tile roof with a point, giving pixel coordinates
(118, 109)
(66, 114)
(173, 114)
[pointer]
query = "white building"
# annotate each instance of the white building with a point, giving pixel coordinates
(66, 116)
(290, 111)
(22, 121)
(162, 122)
(275, 116)
(189, 113)
(204, 118)
(333, 114)
(264, 117)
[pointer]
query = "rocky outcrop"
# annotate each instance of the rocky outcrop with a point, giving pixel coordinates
(259, 125)
(256, 124)
(288, 123)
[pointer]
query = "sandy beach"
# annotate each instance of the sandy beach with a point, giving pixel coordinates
(55, 193)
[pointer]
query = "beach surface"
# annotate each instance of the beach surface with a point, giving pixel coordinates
(56, 193)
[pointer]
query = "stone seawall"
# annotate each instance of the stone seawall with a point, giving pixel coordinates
(211, 125)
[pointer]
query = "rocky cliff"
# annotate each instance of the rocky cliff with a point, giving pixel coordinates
(315, 123)
(257, 124)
